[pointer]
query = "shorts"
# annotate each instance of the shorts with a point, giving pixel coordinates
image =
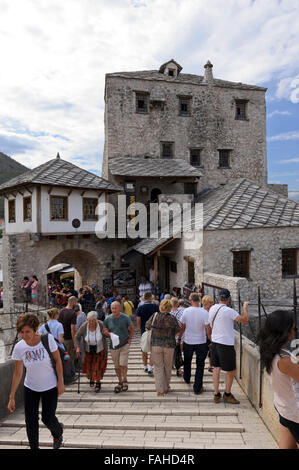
(120, 356)
(292, 427)
(223, 356)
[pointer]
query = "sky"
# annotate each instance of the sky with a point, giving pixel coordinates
(54, 57)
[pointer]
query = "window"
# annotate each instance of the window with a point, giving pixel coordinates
(195, 157)
(241, 263)
(190, 188)
(241, 110)
(289, 262)
(191, 272)
(27, 209)
(141, 103)
(171, 72)
(89, 209)
(11, 210)
(167, 149)
(224, 158)
(58, 208)
(184, 106)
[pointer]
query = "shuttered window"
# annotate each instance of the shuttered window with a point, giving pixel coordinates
(241, 263)
(289, 262)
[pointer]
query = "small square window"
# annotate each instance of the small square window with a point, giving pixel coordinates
(241, 110)
(167, 149)
(241, 263)
(89, 209)
(59, 208)
(11, 211)
(185, 106)
(289, 262)
(190, 188)
(141, 103)
(195, 157)
(224, 158)
(171, 72)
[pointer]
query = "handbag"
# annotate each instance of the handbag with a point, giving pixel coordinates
(178, 358)
(145, 341)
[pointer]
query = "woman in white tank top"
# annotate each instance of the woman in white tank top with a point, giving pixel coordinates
(283, 368)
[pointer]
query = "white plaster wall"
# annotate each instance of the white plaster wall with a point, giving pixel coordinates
(20, 226)
(75, 211)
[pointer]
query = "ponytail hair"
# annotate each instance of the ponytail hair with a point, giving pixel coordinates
(273, 335)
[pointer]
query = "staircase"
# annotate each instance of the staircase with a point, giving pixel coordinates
(139, 419)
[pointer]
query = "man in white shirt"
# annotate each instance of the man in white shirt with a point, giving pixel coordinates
(195, 327)
(223, 354)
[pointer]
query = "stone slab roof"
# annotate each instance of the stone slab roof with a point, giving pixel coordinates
(152, 167)
(242, 205)
(58, 172)
(155, 75)
(246, 205)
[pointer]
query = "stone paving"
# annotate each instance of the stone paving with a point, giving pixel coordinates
(139, 419)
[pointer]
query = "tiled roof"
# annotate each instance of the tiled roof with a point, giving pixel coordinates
(58, 172)
(246, 205)
(242, 205)
(152, 167)
(155, 75)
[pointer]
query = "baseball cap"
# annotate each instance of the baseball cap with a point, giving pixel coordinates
(224, 294)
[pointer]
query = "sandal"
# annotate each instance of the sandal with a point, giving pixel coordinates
(210, 369)
(91, 383)
(98, 387)
(125, 386)
(118, 388)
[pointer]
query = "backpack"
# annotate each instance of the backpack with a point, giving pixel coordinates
(67, 365)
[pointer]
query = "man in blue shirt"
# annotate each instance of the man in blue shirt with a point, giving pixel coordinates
(144, 312)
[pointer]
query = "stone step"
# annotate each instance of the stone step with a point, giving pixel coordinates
(110, 442)
(132, 389)
(121, 397)
(142, 380)
(145, 425)
(144, 412)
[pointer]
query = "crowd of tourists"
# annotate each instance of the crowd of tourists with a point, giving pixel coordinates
(179, 330)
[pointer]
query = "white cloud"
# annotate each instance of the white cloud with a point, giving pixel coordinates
(289, 160)
(279, 113)
(291, 135)
(54, 56)
(294, 195)
(288, 88)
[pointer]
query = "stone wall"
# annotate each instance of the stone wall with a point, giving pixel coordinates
(211, 126)
(94, 259)
(265, 257)
(250, 383)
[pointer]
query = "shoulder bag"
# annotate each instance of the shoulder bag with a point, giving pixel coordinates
(145, 341)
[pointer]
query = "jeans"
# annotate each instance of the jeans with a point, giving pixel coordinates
(201, 351)
(49, 404)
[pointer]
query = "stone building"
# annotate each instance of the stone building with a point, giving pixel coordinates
(50, 218)
(169, 137)
(167, 134)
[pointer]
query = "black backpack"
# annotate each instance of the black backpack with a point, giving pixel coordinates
(67, 366)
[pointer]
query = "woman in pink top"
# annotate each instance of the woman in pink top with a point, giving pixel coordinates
(283, 368)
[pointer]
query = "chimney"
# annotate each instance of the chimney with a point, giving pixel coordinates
(208, 78)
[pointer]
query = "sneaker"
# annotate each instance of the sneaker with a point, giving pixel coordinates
(57, 442)
(217, 398)
(230, 399)
(145, 369)
(150, 372)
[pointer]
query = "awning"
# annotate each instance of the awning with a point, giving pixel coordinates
(57, 267)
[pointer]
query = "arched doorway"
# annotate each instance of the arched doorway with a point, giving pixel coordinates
(154, 194)
(86, 266)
